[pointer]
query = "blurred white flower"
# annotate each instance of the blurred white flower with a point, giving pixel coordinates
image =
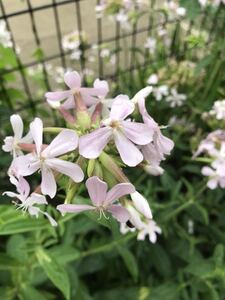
(160, 92)
(152, 79)
(218, 109)
(150, 44)
(176, 99)
(5, 35)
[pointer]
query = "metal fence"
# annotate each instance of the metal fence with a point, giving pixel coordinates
(213, 23)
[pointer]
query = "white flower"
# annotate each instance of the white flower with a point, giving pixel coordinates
(160, 92)
(141, 219)
(28, 201)
(150, 44)
(151, 229)
(154, 170)
(5, 35)
(181, 11)
(175, 99)
(218, 110)
(141, 204)
(11, 143)
(76, 54)
(153, 79)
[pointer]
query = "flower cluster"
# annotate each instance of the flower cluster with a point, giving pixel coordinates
(163, 91)
(214, 147)
(216, 3)
(217, 111)
(102, 136)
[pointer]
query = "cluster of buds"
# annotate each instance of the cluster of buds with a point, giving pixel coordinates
(214, 147)
(98, 142)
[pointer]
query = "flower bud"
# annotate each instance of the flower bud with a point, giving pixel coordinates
(141, 204)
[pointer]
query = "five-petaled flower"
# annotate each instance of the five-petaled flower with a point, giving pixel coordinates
(102, 200)
(124, 132)
(45, 159)
(28, 201)
(73, 81)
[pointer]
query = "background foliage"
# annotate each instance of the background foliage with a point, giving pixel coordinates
(83, 259)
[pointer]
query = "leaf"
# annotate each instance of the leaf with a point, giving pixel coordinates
(13, 221)
(218, 255)
(161, 260)
(29, 292)
(69, 253)
(7, 262)
(168, 291)
(17, 248)
(55, 272)
(130, 261)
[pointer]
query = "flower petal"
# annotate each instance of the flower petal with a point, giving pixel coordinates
(141, 204)
(121, 108)
(66, 167)
(65, 141)
(207, 171)
(17, 125)
(69, 103)
(101, 86)
(212, 183)
(48, 184)
(73, 208)
(97, 190)
(164, 144)
(25, 165)
(57, 96)
(37, 199)
(120, 213)
(129, 153)
(36, 128)
(138, 133)
(142, 94)
(72, 79)
(51, 220)
(119, 191)
(92, 144)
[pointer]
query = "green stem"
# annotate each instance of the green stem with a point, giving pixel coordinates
(53, 129)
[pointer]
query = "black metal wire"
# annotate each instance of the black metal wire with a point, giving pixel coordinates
(19, 63)
(99, 29)
(38, 44)
(132, 64)
(59, 34)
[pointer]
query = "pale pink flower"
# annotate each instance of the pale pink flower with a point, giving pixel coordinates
(28, 201)
(124, 132)
(73, 81)
(151, 229)
(12, 142)
(102, 200)
(215, 178)
(45, 159)
(155, 151)
(141, 219)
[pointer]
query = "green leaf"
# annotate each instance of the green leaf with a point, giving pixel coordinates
(161, 260)
(130, 261)
(29, 292)
(13, 221)
(55, 272)
(168, 291)
(7, 262)
(17, 248)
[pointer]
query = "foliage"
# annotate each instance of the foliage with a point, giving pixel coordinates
(84, 258)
